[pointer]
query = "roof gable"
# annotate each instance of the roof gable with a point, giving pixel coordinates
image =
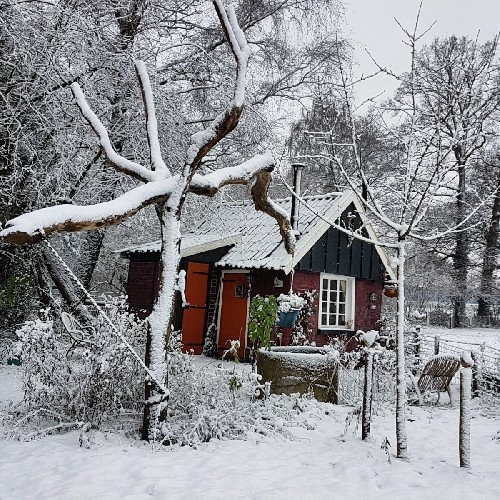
(261, 245)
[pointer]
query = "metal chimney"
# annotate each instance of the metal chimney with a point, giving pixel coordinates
(297, 178)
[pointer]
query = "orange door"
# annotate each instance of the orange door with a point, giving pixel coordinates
(193, 319)
(233, 315)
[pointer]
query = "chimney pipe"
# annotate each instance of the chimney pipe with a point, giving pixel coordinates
(297, 177)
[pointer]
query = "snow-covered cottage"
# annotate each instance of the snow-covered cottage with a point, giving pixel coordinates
(237, 253)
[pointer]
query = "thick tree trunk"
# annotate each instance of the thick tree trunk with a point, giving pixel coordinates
(461, 257)
(43, 280)
(401, 436)
(67, 287)
(489, 260)
(161, 319)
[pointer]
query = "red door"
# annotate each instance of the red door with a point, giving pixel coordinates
(193, 319)
(233, 315)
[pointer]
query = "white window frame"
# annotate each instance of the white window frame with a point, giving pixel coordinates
(349, 302)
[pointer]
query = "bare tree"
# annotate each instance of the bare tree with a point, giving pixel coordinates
(166, 190)
(455, 85)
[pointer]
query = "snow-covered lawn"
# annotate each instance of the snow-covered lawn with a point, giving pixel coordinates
(320, 463)
(474, 335)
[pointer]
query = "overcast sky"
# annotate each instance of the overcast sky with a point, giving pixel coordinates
(370, 23)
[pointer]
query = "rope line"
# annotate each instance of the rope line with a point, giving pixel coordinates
(106, 318)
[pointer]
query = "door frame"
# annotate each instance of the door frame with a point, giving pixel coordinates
(223, 273)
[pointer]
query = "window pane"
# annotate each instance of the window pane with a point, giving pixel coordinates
(335, 299)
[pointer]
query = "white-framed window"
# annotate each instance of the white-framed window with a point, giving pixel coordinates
(336, 309)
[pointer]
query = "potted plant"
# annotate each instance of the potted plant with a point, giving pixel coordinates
(289, 306)
(262, 319)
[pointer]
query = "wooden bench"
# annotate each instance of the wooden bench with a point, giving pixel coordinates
(437, 375)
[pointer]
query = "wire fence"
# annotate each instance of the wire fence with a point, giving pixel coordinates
(351, 379)
(419, 348)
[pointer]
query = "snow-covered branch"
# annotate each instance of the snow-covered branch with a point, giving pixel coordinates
(119, 162)
(151, 124)
(202, 142)
(31, 227)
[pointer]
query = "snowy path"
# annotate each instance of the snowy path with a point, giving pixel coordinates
(320, 465)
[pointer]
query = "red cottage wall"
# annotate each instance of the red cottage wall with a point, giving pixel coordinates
(263, 283)
(367, 312)
(142, 286)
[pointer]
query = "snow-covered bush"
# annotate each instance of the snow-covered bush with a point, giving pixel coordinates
(219, 402)
(210, 343)
(91, 383)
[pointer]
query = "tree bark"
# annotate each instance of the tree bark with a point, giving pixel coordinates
(489, 260)
(66, 286)
(461, 257)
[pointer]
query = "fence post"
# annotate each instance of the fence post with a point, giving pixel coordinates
(417, 340)
(437, 339)
(476, 374)
(367, 396)
(465, 397)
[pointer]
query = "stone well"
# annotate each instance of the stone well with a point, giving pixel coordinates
(299, 369)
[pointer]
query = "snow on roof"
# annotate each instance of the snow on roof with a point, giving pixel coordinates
(256, 237)
(261, 245)
(191, 244)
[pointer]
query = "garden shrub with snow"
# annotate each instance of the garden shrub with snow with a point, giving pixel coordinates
(93, 383)
(218, 401)
(100, 385)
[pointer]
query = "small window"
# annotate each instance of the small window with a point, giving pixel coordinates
(337, 302)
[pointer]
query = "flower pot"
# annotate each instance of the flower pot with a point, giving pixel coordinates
(287, 319)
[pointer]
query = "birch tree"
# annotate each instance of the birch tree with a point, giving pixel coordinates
(164, 189)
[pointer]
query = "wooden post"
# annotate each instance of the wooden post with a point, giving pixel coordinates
(437, 339)
(417, 340)
(367, 396)
(465, 397)
(476, 374)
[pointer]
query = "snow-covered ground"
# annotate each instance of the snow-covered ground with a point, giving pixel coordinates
(489, 336)
(322, 463)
